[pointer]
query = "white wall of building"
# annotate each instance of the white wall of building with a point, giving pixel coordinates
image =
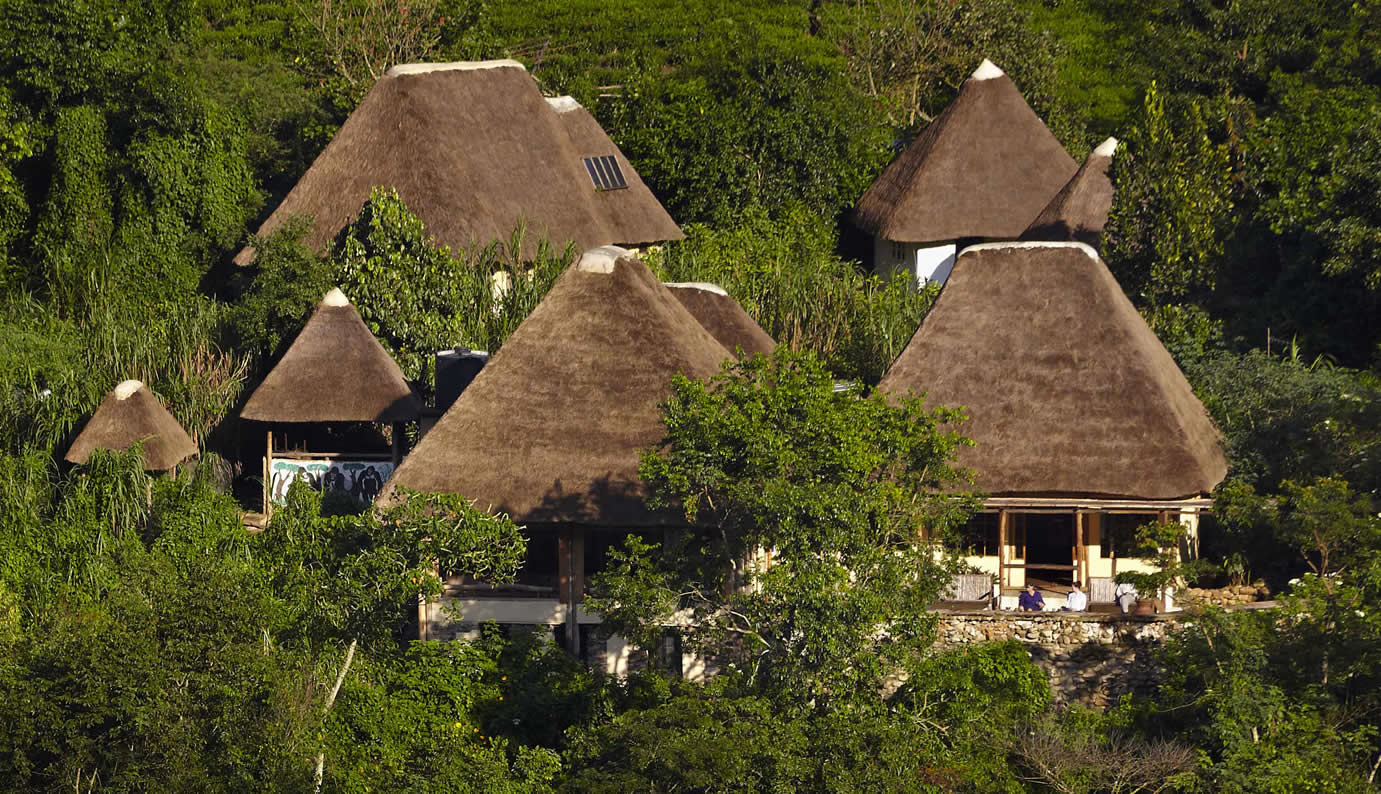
(925, 263)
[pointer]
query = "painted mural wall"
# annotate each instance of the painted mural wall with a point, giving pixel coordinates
(360, 478)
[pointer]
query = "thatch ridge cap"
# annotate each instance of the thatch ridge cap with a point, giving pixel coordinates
(1107, 148)
(987, 71)
(335, 298)
(601, 259)
(127, 388)
(403, 69)
(563, 104)
(703, 286)
(1085, 247)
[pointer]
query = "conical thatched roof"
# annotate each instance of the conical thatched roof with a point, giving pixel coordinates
(472, 148)
(721, 315)
(1067, 389)
(983, 169)
(334, 371)
(131, 414)
(1080, 210)
(552, 428)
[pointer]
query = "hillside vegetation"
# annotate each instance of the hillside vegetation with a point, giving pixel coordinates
(148, 643)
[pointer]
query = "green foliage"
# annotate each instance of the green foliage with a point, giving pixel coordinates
(358, 576)
(415, 296)
(833, 489)
(745, 126)
(1287, 419)
(786, 274)
(409, 725)
(1165, 230)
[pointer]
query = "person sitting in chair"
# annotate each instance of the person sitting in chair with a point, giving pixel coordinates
(1077, 600)
(1031, 600)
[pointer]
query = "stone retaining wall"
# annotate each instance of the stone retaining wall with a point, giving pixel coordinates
(1225, 596)
(1091, 659)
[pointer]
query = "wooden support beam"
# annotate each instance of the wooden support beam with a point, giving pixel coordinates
(1004, 533)
(268, 476)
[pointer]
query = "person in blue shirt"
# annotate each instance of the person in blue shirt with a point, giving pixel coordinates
(1031, 600)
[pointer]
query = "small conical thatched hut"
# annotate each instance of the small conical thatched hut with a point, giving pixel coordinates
(1076, 407)
(723, 317)
(474, 149)
(982, 170)
(334, 373)
(551, 432)
(1080, 210)
(131, 414)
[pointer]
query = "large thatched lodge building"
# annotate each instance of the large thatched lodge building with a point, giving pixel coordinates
(474, 149)
(1085, 426)
(551, 430)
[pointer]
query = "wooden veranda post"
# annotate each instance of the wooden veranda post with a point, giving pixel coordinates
(268, 476)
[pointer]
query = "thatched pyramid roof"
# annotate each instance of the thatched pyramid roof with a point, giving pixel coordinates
(634, 215)
(472, 148)
(1068, 391)
(131, 414)
(334, 371)
(552, 428)
(984, 168)
(1080, 210)
(721, 315)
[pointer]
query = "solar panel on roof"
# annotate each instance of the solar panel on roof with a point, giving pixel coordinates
(605, 173)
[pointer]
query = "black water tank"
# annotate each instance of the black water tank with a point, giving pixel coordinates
(454, 371)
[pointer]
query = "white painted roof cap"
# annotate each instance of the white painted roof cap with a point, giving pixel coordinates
(601, 259)
(1088, 251)
(454, 66)
(1107, 148)
(986, 71)
(563, 104)
(335, 298)
(126, 389)
(704, 286)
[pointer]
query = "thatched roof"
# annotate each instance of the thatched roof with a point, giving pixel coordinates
(334, 371)
(721, 315)
(1067, 389)
(634, 216)
(984, 168)
(551, 429)
(472, 148)
(131, 414)
(1080, 210)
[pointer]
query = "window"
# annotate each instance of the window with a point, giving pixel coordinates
(978, 537)
(898, 252)
(605, 173)
(1119, 533)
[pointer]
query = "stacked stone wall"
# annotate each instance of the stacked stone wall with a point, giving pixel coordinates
(1232, 596)
(1091, 659)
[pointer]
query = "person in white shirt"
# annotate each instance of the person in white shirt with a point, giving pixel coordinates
(1077, 600)
(1125, 595)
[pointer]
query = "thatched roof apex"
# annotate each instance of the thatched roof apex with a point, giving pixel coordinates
(723, 317)
(1080, 210)
(984, 168)
(473, 148)
(131, 414)
(552, 428)
(334, 371)
(1067, 389)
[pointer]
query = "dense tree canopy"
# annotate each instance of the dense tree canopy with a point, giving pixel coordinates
(149, 640)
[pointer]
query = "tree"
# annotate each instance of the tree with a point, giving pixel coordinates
(1173, 194)
(809, 574)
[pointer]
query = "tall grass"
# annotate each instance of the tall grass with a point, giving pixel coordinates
(54, 371)
(786, 274)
